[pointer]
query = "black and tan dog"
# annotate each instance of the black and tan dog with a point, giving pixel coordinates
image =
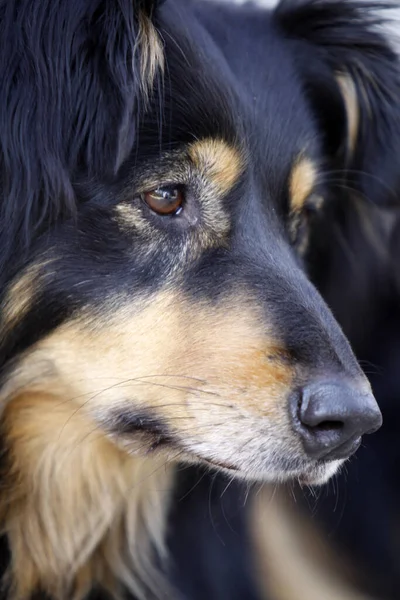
(160, 166)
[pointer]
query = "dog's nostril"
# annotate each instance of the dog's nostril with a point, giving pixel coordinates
(331, 417)
(327, 426)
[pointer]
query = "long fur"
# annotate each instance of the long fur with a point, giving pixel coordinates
(56, 115)
(130, 340)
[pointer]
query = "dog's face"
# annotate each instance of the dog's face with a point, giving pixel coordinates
(172, 312)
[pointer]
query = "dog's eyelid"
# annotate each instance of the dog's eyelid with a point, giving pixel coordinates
(313, 203)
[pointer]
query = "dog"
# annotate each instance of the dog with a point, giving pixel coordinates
(161, 166)
(338, 543)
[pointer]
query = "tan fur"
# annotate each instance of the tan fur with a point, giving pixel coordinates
(220, 163)
(151, 52)
(78, 510)
(130, 218)
(84, 501)
(207, 371)
(292, 561)
(349, 93)
(166, 337)
(301, 184)
(21, 294)
(82, 504)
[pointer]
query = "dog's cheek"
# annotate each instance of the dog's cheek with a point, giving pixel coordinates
(192, 365)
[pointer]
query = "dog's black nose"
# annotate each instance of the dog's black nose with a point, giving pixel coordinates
(332, 417)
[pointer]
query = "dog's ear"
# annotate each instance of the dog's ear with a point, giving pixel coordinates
(74, 76)
(352, 76)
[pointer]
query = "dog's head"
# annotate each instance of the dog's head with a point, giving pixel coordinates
(159, 169)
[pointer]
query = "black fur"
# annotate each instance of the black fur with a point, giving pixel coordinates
(62, 62)
(355, 256)
(347, 40)
(76, 131)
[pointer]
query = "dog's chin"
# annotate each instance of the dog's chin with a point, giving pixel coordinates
(320, 474)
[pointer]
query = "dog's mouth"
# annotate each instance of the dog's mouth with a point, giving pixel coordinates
(315, 475)
(144, 434)
(143, 426)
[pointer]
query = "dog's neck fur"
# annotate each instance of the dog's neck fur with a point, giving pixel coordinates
(83, 513)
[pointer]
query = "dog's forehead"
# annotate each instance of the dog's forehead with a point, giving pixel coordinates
(239, 120)
(233, 78)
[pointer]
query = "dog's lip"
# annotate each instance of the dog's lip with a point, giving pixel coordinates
(347, 449)
(214, 463)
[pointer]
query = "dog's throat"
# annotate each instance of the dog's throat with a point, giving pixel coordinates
(85, 514)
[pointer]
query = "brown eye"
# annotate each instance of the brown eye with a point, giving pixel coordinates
(165, 200)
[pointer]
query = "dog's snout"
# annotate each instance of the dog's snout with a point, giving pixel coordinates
(331, 418)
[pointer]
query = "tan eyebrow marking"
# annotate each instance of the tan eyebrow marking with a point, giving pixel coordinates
(301, 182)
(220, 162)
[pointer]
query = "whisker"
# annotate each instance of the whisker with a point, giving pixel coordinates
(222, 506)
(249, 487)
(199, 480)
(359, 172)
(210, 509)
(231, 479)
